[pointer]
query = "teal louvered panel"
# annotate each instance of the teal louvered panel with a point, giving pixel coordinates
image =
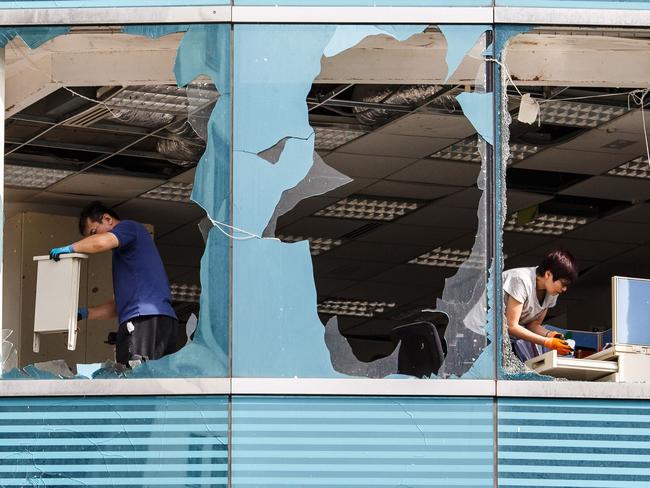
(574, 443)
(362, 442)
(117, 442)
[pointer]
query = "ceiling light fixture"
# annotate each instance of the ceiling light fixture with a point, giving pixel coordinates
(545, 224)
(637, 168)
(575, 114)
(31, 177)
(317, 245)
(442, 258)
(172, 191)
(366, 208)
(353, 308)
(467, 151)
(182, 292)
(328, 138)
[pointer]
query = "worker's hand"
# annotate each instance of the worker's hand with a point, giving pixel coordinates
(56, 252)
(82, 313)
(560, 345)
(555, 334)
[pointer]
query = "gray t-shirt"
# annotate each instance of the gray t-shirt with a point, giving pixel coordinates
(519, 283)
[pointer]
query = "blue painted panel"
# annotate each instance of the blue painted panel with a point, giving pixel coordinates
(574, 443)
(370, 3)
(626, 4)
(369, 442)
(117, 441)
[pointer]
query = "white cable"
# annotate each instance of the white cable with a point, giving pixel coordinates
(219, 225)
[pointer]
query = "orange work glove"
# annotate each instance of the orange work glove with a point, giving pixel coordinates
(560, 345)
(556, 334)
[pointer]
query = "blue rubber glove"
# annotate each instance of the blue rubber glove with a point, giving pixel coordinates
(82, 313)
(56, 252)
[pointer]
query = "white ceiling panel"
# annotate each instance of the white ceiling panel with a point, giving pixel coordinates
(611, 187)
(516, 200)
(395, 233)
(599, 140)
(440, 171)
(584, 249)
(398, 189)
(636, 213)
(349, 269)
(321, 227)
(164, 216)
(607, 230)
(378, 252)
(304, 208)
(431, 125)
(381, 144)
(78, 201)
(567, 161)
(435, 214)
(355, 186)
(519, 243)
(630, 123)
(360, 165)
(109, 186)
(468, 198)
(18, 194)
(186, 177)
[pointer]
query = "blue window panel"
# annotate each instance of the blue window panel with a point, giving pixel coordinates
(116, 441)
(573, 443)
(370, 3)
(369, 442)
(627, 4)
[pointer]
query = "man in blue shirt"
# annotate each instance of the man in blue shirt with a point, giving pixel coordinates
(142, 299)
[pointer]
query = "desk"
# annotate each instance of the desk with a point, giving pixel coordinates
(574, 369)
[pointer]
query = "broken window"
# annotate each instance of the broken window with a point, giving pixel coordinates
(360, 159)
(132, 117)
(575, 163)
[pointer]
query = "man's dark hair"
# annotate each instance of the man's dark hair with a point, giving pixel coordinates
(561, 264)
(94, 211)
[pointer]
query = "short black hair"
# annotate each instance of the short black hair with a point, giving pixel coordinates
(561, 264)
(94, 211)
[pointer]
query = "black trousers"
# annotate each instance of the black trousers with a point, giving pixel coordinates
(145, 338)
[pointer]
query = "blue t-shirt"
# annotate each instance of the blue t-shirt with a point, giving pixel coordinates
(140, 283)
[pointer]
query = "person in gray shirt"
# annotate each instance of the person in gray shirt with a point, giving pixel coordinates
(530, 292)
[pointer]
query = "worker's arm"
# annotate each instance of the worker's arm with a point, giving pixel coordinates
(96, 243)
(515, 329)
(100, 312)
(537, 327)
(88, 245)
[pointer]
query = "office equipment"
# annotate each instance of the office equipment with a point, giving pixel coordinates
(551, 364)
(57, 297)
(629, 357)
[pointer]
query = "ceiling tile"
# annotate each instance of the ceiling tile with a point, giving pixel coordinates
(186, 235)
(180, 255)
(361, 165)
(164, 216)
(321, 227)
(397, 189)
(107, 186)
(611, 187)
(397, 145)
(186, 177)
(355, 186)
(430, 277)
(467, 198)
(518, 243)
(375, 251)
(431, 125)
(78, 201)
(348, 269)
(566, 161)
(432, 235)
(630, 123)
(636, 213)
(584, 250)
(516, 200)
(440, 171)
(598, 140)
(305, 207)
(436, 214)
(601, 230)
